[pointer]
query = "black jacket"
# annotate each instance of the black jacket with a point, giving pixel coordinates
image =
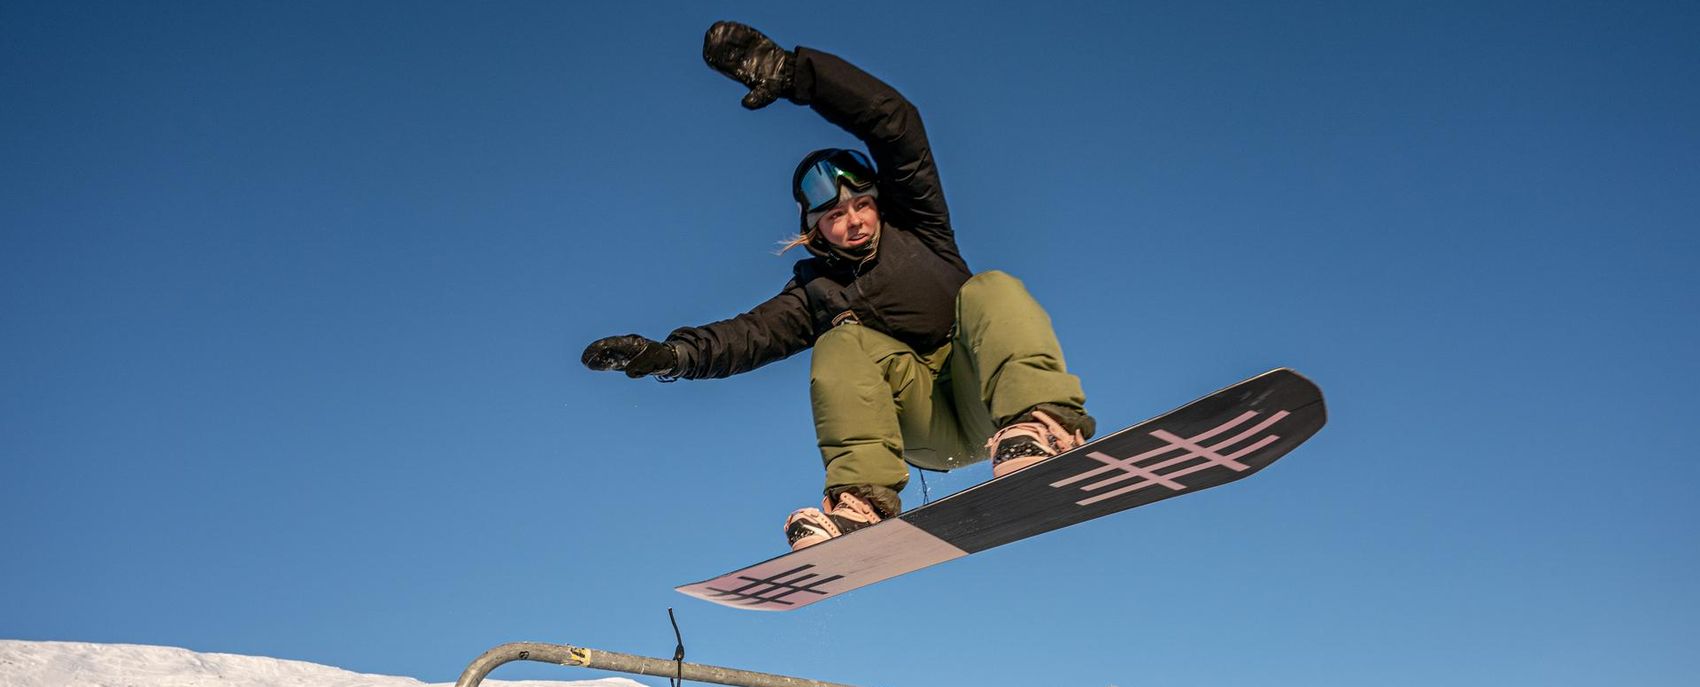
(907, 289)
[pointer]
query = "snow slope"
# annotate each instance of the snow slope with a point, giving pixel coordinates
(76, 664)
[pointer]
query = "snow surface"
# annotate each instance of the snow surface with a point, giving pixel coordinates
(77, 664)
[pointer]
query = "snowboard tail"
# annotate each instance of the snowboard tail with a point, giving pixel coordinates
(1220, 438)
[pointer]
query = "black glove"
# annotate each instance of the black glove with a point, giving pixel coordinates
(747, 56)
(636, 355)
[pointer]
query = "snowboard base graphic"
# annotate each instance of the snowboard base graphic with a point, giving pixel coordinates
(1217, 439)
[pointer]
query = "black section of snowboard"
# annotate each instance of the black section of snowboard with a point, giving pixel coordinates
(1280, 404)
(1217, 439)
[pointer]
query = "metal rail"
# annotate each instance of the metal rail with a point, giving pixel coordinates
(598, 659)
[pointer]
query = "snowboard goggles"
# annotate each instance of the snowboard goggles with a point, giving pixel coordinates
(816, 187)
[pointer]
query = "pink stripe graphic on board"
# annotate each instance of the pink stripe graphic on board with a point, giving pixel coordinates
(1112, 465)
(1123, 469)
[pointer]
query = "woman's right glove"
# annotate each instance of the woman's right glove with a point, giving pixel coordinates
(747, 56)
(634, 354)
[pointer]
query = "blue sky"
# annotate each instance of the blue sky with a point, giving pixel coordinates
(292, 297)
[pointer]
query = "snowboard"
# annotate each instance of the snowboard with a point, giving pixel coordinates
(1214, 440)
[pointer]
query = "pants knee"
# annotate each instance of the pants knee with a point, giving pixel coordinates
(991, 285)
(992, 295)
(838, 347)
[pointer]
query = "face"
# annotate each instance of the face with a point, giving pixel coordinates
(851, 223)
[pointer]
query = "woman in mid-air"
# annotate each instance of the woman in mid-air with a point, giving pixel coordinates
(916, 359)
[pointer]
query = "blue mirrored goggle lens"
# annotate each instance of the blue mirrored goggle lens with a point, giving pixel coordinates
(819, 185)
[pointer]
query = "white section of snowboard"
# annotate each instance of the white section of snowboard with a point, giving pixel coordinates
(1214, 440)
(858, 559)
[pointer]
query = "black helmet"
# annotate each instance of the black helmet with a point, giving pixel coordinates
(816, 182)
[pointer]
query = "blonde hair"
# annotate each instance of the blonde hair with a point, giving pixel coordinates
(802, 239)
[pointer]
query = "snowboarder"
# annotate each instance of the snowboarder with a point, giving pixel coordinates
(916, 360)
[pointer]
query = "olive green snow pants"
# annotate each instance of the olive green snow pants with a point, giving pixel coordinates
(878, 402)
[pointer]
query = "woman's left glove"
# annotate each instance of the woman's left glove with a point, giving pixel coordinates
(745, 55)
(634, 354)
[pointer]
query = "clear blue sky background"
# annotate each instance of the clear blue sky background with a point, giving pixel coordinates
(292, 297)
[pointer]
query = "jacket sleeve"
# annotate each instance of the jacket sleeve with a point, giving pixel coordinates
(891, 127)
(772, 331)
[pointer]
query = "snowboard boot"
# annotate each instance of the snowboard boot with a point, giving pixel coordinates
(837, 516)
(1041, 433)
